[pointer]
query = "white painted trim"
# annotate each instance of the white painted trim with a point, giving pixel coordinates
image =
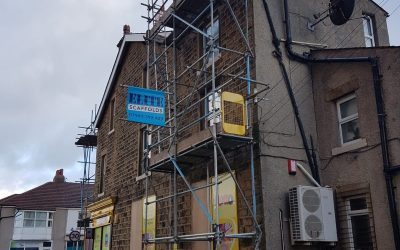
(368, 22)
(127, 38)
(346, 119)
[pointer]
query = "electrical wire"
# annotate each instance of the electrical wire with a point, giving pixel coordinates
(309, 75)
(357, 151)
(321, 41)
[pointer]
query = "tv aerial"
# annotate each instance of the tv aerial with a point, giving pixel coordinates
(339, 12)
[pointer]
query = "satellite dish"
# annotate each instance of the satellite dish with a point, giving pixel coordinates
(341, 11)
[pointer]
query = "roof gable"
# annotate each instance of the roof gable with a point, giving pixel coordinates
(128, 38)
(377, 5)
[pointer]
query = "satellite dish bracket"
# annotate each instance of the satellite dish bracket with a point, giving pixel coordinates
(311, 25)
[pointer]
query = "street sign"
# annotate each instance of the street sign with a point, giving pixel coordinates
(74, 236)
(145, 106)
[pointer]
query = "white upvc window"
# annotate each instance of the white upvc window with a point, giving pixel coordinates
(37, 219)
(213, 31)
(145, 143)
(348, 119)
(359, 223)
(368, 31)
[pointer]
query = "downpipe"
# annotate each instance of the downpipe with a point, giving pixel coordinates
(379, 107)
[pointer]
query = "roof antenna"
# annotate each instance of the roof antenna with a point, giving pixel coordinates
(339, 12)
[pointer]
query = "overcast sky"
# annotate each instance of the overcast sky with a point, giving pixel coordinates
(55, 60)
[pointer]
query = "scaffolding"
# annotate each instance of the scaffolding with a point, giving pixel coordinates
(88, 142)
(197, 101)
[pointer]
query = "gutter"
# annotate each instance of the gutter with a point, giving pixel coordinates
(377, 80)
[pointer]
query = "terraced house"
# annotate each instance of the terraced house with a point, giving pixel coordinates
(244, 89)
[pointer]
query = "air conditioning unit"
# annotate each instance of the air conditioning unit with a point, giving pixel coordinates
(312, 215)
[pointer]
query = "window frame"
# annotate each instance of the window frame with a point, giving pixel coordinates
(368, 24)
(103, 166)
(359, 212)
(112, 115)
(35, 219)
(217, 52)
(347, 119)
(145, 139)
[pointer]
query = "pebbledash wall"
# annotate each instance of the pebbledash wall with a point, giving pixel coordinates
(120, 146)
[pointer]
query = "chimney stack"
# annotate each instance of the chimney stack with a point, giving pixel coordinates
(127, 29)
(59, 177)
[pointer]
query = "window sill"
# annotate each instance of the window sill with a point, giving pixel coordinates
(350, 146)
(111, 132)
(141, 177)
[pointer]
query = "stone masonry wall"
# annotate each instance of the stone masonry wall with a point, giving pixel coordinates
(121, 146)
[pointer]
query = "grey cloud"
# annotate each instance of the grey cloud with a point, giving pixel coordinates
(55, 59)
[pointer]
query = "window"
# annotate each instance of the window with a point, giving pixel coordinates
(144, 77)
(348, 119)
(47, 244)
(22, 248)
(102, 238)
(358, 218)
(213, 31)
(145, 142)
(112, 114)
(368, 31)
(37, 219)
(50, 220)
(103, 164)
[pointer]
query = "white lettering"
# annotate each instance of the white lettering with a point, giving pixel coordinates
(143, 108)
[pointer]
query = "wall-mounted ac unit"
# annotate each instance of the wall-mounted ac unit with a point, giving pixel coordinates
(312, 215)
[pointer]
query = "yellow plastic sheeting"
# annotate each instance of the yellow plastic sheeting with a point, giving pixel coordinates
(227, 209)
(151, 221)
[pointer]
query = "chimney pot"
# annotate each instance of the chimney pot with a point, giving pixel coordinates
(59, 177)
(127, 29)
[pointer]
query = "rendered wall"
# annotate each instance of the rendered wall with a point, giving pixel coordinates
(279, 133)
(362, 165)
(6, 226)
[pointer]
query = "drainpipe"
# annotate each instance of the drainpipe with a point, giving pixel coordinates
(380, 110)
(278, 55)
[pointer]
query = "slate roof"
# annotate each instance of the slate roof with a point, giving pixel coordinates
(47, 197)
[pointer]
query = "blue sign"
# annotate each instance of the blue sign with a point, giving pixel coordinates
(145, 106)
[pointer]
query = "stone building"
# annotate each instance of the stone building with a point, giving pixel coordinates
(195, 51)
